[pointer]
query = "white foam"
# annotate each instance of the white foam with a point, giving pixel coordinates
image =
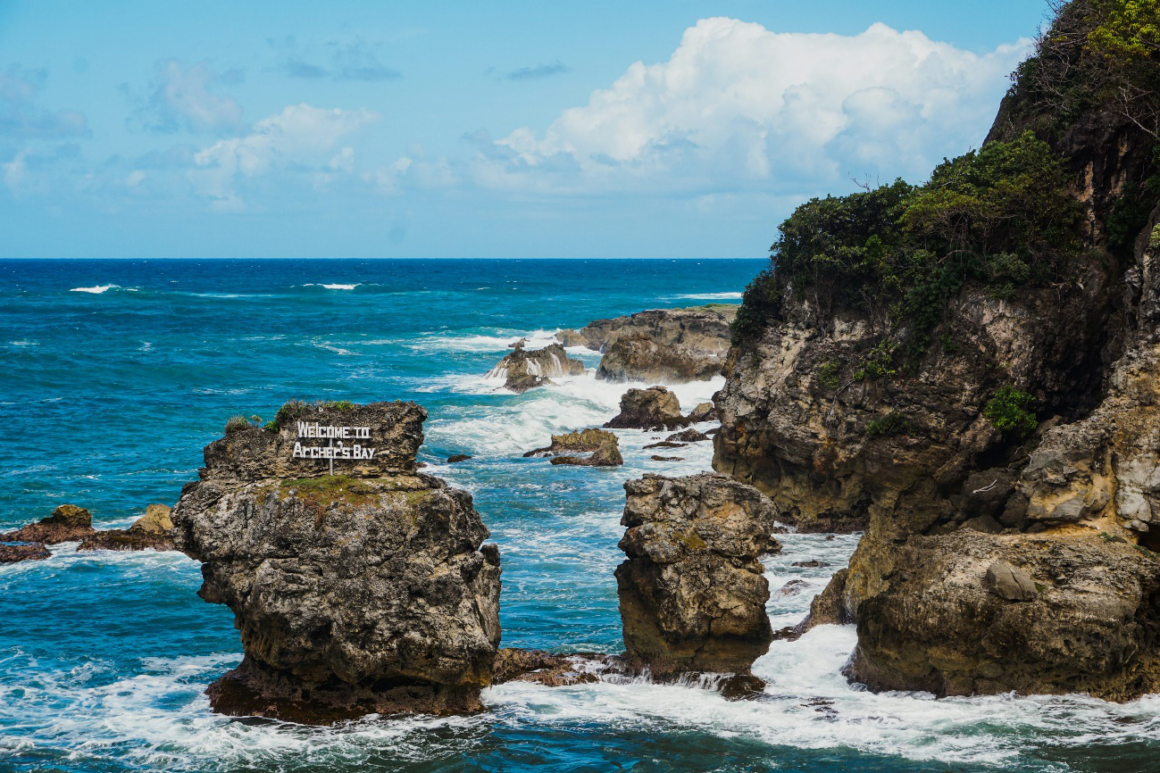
(333, 286)
(94, 290)
(711, 296)
(536, 339)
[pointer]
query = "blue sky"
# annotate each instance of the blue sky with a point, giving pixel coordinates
(453, 129)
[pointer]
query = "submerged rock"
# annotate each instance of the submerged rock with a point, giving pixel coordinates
(366, 591)
(655, 408)
(688, 436)
(692, 591)
(523, 370)
(602, 449)
(539, 667)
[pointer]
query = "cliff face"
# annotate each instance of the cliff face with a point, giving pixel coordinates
(995, 431)
(365, 591)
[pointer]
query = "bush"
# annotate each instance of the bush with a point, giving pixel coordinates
(878, 363)
(893, 423)
(237, 424)
(760, 304)
(829, 374)
(1009, 412)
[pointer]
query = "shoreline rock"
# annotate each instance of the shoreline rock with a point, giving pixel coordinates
(692, 590)
(367, 591)
(603, 449)
(523, 370)
(655, 408)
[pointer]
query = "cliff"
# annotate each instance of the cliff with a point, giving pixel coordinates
(968, 370)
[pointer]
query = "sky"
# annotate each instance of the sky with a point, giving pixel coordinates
(666, 128)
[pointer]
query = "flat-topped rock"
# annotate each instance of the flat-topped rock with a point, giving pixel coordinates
(599, 449)
(366, 591)
(655, 408)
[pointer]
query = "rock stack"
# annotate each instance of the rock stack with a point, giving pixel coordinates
(368, 590)
(692, 591)
(523, 370)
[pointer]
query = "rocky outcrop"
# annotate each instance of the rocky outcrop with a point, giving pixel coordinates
(152, 531)
(68, 523)
(539, 667)
(1006, 473)
(687, 436)
(655, 408)
(968, 613)
(702, 412)
(692, 591)
(22, 551)
(639, 358)
(660, 345)
(366, 591)
(599, 449)
(523, 370)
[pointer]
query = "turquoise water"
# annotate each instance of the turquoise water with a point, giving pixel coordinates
(115, 375)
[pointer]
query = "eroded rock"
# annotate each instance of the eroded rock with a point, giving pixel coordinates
(68, 523)
(523, 370)
(600, 449)
(692, 591)
(366, 591)
(655, 408)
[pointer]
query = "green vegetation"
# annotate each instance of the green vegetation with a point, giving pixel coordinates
(1000, 217)
(1008, 411)
(893, 423)
(1154, 240)
(239, 423)
(339, 405)
(878, 363)
(829, 374)
(292, 410)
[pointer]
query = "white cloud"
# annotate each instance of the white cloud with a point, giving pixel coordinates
(299, 135)
(181, 98)
(22, 118)
(738, 107)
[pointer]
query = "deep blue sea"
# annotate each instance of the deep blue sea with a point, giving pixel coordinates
(115, 374)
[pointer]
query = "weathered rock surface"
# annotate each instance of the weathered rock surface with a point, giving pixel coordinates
(702, 412)
(68, 523)
(991, 562)
(152, 531)
(660, 345)
(539, 667)
(157, 520)
(601, 449)
(655, 408)
(968, 613)
(523, 370)
(640, 358)
(688, 436)
(367, 591)
(23, 551)
(692, 592)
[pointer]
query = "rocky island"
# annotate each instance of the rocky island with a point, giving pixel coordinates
(365, 591)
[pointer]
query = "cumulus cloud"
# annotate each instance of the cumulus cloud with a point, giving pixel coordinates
(740, 107)
(182, 97)
(295, 138)
(341, 60)
(22, 117)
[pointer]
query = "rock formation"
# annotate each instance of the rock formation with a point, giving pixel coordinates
(23, 551)
(68, 523)
(364, 591)
(655, 408)
(601, 449)
(692, 591)
(660, 345)
(523, 370)
(702, 412)
(154, 531)
(995, 434)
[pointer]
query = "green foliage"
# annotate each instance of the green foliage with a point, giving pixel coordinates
(1128, 32)
(1130, 214)
(829, 374)
(237, 424)
(893, 423)
(1154, 239)
(760, 304)
(878, 363)
(1008, 411)
(339, 405)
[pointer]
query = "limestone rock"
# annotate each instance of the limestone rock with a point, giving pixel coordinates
(23, 551)
(68, 523)
(692, 591)
(640, 358)
(523, 370)
(601, 449)
(702, 412)
(960, 619)
(655, 408)
(155, 521)
(366, 591)
(703, 330)
(539, 667)
(688, 436)
(126, 539)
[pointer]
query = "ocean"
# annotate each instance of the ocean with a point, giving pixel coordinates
(114, 376)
